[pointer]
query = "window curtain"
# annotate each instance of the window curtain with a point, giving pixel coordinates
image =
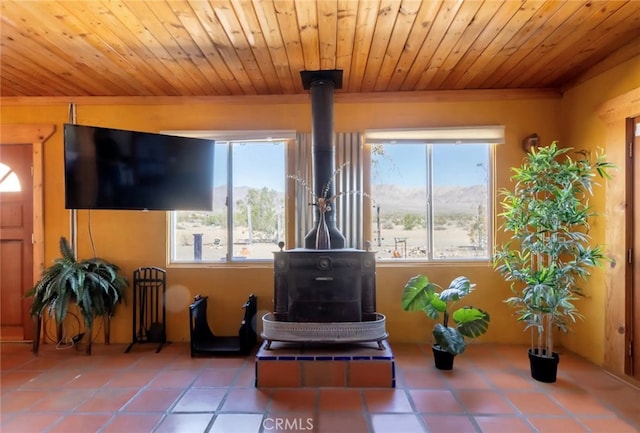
(349, 184)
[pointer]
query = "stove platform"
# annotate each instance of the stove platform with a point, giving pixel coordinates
(325, 365)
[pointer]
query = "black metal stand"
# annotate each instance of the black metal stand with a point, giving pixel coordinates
(149, 310)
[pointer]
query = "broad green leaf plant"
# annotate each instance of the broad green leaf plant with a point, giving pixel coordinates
(549, 251)
(420, 294)
(95, 285)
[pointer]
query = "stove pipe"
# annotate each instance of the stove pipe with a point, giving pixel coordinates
(321, 85)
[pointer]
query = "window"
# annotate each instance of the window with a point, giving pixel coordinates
(431, 199)
(9, 181)
(247, 220)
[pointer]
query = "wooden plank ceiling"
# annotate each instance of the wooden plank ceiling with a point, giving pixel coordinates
(255, 47)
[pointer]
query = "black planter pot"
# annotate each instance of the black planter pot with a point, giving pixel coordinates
(543, 369)
(442, 358)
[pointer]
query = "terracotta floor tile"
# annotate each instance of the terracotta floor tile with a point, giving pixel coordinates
(484, 402)
(91, 379)
(449, 424)
(184, 423)
(194, 363)
(80, 423)
(132, 378)
(46, 362)
(386, 400)
(607, 425)
(154, 361)
(465, 379)
(153, 400)
(30, 422)
(515, 354)
(397, 423)
(435, 401)
(115, 362)
(107, 400)
(63, 399)
(341, 423)
(16, 378)
(51, 381)
(174, 379)
(246, 376)
(290, 422)
(490, 389)
(423, 378)
(580, 404)
(132, 423)
(556, 425)
(19, 400)
(483, 356)
(593, 379)
(291, 400)
(200, 400)
(534, 403)
(215, 377)
(237, 423)
(246, 400)
(413, 362)
(408, 349)
(500, 424)
(509, 379)
(14, 360)
(338, 399)
(226, 362)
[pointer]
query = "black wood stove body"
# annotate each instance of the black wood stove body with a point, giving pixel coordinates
(324, 285)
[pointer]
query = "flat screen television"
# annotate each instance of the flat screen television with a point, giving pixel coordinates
(108, 168)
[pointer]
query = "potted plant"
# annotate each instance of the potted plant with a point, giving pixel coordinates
(420, 294)
(549, 250)
(95, 285)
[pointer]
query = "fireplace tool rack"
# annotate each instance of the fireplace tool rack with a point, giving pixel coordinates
(149, 307)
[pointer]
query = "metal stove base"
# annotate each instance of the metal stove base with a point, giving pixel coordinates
(323, 333)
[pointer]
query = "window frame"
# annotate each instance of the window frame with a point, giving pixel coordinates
(385, 137)
(229, 138)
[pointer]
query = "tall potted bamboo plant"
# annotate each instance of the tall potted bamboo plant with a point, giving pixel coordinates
(550, 251)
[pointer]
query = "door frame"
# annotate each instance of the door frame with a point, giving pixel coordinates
(36, 135)
(614, 113)
(631, 230)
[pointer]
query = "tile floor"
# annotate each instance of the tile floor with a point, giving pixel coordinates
(489, 390)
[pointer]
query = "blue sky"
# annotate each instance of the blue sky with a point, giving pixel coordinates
(249, 163)
(405, 165)
(402, 164)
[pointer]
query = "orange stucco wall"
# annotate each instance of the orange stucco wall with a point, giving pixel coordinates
(133, 239)
(584, 128)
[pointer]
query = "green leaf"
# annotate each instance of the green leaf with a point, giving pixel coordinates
(435, 307)
(92, 284)
(449, 339)
(471, 322)
(417, 293)
(459, 288)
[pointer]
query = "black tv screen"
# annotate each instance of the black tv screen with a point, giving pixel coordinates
(109, 168)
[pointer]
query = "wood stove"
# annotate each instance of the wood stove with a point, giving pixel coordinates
(324, 285)
(325, 294)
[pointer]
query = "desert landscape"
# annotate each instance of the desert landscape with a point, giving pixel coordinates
(455, 210)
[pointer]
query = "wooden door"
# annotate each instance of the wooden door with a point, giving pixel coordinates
(633, 300)
(16, 234)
